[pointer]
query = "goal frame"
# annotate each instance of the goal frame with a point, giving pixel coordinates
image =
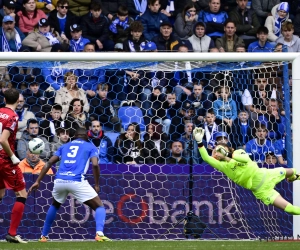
(293, 58)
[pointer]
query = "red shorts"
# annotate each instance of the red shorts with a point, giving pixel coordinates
(11, 177)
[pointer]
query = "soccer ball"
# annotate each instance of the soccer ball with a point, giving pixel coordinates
(36, 146)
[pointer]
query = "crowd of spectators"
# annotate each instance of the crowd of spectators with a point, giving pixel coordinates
(55, 102)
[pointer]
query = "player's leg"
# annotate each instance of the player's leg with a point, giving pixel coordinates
(100, 214)
(283, 204)
(14, 180)
(59, 193)
(84, 193)
(50, 217)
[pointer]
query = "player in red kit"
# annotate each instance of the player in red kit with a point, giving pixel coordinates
(11, 176)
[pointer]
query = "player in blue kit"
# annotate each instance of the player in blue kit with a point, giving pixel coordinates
(70, 178)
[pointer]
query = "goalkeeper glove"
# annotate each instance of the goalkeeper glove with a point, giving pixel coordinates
(198, 134)
(222, 150)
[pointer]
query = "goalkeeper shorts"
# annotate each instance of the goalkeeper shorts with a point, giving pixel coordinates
(265, 184)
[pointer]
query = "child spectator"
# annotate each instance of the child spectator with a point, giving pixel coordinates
(152, 20)
(59, 140)
(241, 130)
(172, 107)
(257, 147)
(211, 129)
(101, 109)
(199, 40)
(225, 108)
(77, 42)
(262, 45)
(119, 27)
(270, 158)
(95, 28)
(52, 122)
(280, 14)
(29, 16)
(9, 8)
(135, 41)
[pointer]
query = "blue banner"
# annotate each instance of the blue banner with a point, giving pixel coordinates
(142, 202)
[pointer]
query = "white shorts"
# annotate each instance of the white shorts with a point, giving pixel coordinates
(81, 190)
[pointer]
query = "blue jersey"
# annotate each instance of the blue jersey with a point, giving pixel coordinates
(74, 159)
(257, 152)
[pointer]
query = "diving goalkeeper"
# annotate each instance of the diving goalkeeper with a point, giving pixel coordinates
(238, 167)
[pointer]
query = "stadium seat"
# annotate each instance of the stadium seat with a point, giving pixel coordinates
(112, 136)
(131, 114)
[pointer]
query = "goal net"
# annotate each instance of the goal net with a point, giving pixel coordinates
(152, 177)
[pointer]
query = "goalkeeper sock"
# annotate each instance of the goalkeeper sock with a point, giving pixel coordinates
(100, 215)
(51, 214)
(291, 209)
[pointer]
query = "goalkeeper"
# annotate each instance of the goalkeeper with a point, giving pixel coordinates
(238, 167)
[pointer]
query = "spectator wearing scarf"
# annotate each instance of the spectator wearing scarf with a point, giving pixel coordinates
(119, 27)
(280, 14)
(11, 36)
(136, 8)
(42, 39)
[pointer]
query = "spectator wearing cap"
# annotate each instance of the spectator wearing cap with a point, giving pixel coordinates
(246, 21)
(62, 18)
(136, 41)
(43, 38)
(95, 28)
(186, 114)
(280, 14)
(199, 40)
(166, 41)
(11, 36)
(229, 41)
(185, 21)
(222, 137)
(262, 44)
(288, 38)
(29, 16)
(150, 47)
(214, 19)
(152, 20)
(9, 8)
(77, 42)
(36, 99)
(119, 27)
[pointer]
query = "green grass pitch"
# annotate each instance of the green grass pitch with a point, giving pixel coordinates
(155, 245)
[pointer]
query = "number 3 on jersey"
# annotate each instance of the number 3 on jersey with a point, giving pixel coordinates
(73, 153)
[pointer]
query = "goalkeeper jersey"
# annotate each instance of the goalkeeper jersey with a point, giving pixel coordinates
(240, 169)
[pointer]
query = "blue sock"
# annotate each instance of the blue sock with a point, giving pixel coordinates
(100, 218)
(50, 217)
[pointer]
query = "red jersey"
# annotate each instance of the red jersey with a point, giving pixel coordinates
(8, 120)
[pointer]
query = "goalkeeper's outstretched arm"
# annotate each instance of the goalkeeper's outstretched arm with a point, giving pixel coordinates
(209, 159)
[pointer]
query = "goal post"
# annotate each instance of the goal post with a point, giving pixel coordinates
(293, 58)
